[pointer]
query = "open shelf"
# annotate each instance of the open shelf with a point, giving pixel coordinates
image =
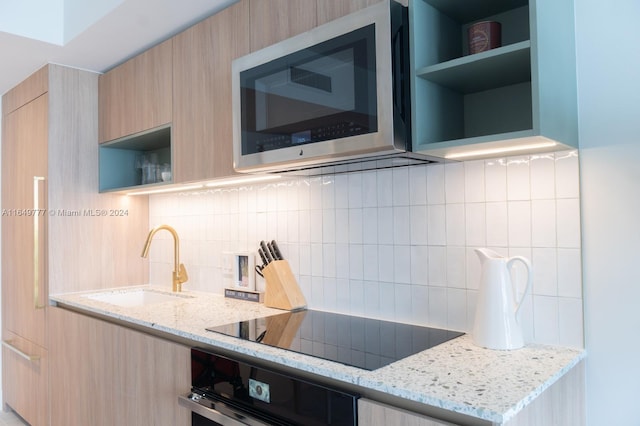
(121, 160)
(483, 71)
(460, 98)
(521, 96)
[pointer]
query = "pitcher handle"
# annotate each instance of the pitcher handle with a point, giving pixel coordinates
(527, 264)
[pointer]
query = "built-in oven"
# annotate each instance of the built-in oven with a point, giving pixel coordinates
(227, 391)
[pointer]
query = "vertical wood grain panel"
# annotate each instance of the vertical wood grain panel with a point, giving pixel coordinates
(24, 155)
(24, 382)
(32, 87)
(371, 413)
(328, 10)
(561, 404)
(276, 20)
(55, 136)
(136, 95)
(87, 251)
(103, 374)
(202, 117)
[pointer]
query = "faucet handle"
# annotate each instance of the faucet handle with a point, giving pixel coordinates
(180, 276)
(183, 277)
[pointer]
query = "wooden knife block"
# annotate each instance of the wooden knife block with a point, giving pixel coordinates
(281, 288)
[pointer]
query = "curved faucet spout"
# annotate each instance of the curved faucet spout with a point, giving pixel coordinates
(179, 271)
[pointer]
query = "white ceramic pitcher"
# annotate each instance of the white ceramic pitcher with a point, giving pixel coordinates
(496, 324)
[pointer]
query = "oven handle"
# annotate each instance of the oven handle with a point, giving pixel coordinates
(218, 412)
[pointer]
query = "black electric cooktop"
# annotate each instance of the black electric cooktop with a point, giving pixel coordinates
(359, 342)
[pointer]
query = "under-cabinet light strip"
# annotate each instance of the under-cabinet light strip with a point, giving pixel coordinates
(238, 181)
(213, 184)
(170, 189)
(492, 151)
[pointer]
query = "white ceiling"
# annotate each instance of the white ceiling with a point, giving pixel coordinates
(126, 30)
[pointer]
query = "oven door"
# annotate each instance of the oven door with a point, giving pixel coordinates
(206, 412)
(232, 392)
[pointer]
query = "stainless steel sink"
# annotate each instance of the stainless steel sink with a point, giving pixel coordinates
(136, 297)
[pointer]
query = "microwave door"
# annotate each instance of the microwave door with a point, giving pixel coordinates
(322, 96)
(305, 92)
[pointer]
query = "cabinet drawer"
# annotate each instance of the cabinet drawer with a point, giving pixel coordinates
(25, 378)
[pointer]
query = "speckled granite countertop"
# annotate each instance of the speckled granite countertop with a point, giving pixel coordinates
(456, 376)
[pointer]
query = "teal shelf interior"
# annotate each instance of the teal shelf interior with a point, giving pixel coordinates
(118, 159)
(457, 96)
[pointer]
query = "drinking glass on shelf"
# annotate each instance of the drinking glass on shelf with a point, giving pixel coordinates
(165, 172)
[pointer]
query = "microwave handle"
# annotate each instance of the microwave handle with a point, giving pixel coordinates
(400, 66)
(218, 412)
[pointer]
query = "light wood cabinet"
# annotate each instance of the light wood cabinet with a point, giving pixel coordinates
(563, 403)
(328, 10)
(186, 81)
(277, 20)
(202, 116)
(24, 291)
(72, 238)
(372, 413)
(135, 111)
(105, 374)
(25, 378)
(24, 158)
(137, 95)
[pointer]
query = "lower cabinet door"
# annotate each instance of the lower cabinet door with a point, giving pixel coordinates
(372, 413)
(103, 374)
(25, 382)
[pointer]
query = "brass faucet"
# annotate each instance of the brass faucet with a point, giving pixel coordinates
(179, 272)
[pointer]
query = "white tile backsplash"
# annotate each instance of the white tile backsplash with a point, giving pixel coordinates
(435, 184)
(518, 179)
(398, 243)
(436, 225)
(455, 224)
(543, 223)
(495, 178)
(519, 218)
(497, 217)
(474, 188)
(543, 176)
(476, 224)
(568, 222)
(567, 175)
(454, 183)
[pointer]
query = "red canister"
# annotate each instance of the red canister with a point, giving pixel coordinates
(484, 36)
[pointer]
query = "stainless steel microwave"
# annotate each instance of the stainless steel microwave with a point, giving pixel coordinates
(336, 95)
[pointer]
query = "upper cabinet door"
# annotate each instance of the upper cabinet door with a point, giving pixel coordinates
(328, 10)
(276, 20)
(202, 117)
(136, 96)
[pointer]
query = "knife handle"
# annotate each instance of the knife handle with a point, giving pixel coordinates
(263, 257)
(266, 252)
(276, 250)
(272, 252)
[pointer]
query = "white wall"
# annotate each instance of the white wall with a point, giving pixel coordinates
(398, 244)
(609, 101)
